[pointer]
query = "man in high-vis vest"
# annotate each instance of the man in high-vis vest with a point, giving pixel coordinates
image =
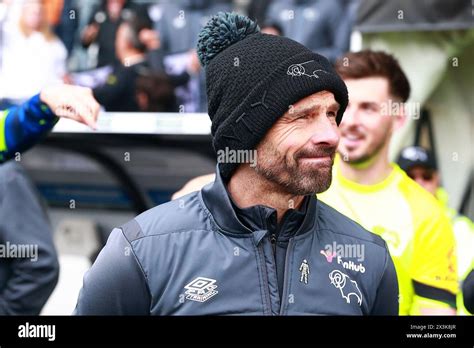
(420, 165)
(380, 196)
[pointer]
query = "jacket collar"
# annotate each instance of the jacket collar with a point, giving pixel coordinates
(231, 218)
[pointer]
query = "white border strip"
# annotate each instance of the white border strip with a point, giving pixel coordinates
(141, 123)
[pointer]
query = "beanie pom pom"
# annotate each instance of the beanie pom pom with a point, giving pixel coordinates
(220, 32)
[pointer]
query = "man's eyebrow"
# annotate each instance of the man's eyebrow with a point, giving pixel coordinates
(305, 110)
(369, 103)
(308, 109)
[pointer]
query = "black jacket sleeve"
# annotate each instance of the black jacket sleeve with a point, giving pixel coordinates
(110, 95)
(27, 280)
(468, 292)
(115, 284)
(386, 301)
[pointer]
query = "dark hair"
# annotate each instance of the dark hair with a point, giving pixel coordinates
(136, 23)
(367, 63)
(159, 91)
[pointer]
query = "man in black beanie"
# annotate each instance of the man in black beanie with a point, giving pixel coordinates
(256, 241)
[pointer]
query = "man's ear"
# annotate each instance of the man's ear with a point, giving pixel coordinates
(400, 117)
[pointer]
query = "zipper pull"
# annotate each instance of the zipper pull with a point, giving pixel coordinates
(273, 238)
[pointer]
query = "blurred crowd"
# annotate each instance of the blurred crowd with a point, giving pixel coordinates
(140, 55)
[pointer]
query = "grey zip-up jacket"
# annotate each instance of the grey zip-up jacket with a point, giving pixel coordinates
(200, 255)
(29, 267)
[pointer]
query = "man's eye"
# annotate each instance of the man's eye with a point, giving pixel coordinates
(331, 114)
(369, 108)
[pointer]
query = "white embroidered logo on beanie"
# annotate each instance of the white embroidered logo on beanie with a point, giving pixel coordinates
(299, 70)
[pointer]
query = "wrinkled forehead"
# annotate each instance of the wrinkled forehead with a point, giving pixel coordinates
(320, 99)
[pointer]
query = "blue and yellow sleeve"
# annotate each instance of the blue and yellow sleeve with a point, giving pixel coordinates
(23, 126)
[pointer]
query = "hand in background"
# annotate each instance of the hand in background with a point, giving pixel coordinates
(73, 102)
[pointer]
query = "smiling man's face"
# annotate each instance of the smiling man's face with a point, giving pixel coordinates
(297, 153)
(365, 129)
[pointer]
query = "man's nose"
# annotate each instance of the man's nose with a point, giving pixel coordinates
(325, 131)
(350, 118)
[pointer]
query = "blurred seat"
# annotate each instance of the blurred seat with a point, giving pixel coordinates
(76, 240)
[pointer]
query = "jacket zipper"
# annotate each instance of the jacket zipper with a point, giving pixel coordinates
(284, 296)
(273, 240)
(265, 279)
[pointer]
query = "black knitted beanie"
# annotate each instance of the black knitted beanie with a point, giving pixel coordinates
(252, 79)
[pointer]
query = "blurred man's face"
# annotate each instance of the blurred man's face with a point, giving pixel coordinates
(121, 41)
(33, 14)
(366, 126)
(297, 153)
(114, 8)
(426, 177)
